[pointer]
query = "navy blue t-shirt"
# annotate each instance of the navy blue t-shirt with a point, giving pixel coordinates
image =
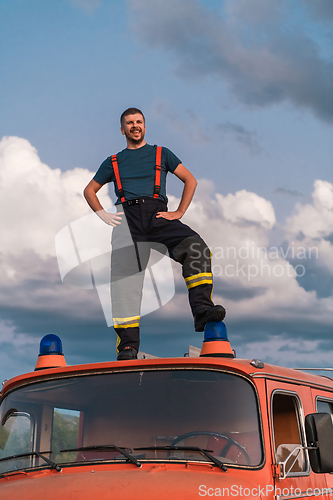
(137, 171)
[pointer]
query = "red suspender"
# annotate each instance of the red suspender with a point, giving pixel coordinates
(157, 187)
(116, 173)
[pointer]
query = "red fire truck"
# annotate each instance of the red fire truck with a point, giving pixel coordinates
(205, 425)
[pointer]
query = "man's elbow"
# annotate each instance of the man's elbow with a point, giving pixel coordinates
(86, 192)
(89, 192)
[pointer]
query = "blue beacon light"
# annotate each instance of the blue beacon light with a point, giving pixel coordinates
(215, 331)
(50, 344)
(50, 353)
(216, 342)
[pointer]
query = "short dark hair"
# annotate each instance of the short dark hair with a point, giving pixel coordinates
(131, 111)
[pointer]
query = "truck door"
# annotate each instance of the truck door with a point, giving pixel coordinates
(323, 403)
(293, 477)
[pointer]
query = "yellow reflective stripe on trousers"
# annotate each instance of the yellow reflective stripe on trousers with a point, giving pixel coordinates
(127, 325)
(131, 325)
(118, 342)
(201, 282)
(123, 320)
(129, 322)
(199, 279)
(195, 276)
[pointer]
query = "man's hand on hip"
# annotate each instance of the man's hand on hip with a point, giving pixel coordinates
(170, 215)
(110, 219)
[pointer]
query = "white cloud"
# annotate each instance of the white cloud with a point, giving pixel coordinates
(17, 350)
(315, 220)
(287, 352)
(313, 223)
(37, 201)
(247, 207)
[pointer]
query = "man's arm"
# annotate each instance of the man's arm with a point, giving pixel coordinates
(190, 183)
(90, 194)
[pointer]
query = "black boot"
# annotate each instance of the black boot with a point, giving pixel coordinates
(214, 313)
(127, 353)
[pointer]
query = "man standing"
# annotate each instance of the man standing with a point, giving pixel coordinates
(139, 176)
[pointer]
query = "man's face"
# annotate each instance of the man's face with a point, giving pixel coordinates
(134, 128)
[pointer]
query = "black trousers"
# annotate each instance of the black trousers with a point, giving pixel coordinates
(132, 242)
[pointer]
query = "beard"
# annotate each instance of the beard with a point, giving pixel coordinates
(134, 141)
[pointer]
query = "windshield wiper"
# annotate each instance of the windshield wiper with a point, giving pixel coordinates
(109, 447)
(52, 464)
(216, 461)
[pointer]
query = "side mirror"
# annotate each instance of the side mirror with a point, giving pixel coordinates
(319, 435)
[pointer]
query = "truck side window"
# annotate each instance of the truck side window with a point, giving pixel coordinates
(65, 432)
(287, 431)
(324, 406)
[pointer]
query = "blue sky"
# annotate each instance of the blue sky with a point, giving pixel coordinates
(241, 91)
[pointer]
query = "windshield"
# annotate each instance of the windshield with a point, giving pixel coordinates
(168, 411)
